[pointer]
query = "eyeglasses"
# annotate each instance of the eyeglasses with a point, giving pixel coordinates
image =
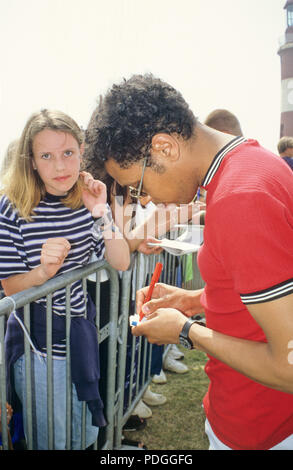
(137, 193)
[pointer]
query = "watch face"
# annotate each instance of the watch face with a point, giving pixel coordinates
(184, 342)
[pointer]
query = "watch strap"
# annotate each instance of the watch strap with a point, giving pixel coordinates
(186, 327)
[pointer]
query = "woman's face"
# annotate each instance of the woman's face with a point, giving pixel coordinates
(56, 158)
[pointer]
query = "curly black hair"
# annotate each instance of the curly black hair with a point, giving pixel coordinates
(131, 113)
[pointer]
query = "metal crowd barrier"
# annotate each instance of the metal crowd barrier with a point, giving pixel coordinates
(120, 402)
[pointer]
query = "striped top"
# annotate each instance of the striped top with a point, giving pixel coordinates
(21, 244)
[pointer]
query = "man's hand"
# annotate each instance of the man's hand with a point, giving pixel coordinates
(165, 296)
(149, 250)
(161, 327)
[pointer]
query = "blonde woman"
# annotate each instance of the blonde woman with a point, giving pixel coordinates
(47, 213)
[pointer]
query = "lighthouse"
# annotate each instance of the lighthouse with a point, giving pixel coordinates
(286, 54)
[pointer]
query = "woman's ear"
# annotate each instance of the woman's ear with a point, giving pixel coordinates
(81, 149)
(33, 164)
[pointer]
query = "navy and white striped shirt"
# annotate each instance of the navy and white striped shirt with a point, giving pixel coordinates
(21, 244)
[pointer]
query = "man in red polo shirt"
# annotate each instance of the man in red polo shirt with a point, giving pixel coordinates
(148, 138)
(246, 264)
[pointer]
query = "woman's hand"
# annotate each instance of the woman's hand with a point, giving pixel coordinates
(94, 195)
(54, 251)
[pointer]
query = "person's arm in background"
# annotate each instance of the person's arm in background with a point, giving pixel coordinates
(116, 247)
(117, 250)
(159, 223)
(123, 216)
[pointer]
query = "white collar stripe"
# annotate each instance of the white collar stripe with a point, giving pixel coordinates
(275, 292)
(219, 157)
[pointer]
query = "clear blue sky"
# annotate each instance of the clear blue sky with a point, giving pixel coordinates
(219, 53)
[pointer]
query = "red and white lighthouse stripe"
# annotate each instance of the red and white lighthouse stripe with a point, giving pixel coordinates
(286, 55)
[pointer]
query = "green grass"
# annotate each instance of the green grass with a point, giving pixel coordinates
(179, 423)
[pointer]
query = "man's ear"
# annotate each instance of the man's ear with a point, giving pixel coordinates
(165, 146)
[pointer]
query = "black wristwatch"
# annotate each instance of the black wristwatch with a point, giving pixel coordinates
(184, 339)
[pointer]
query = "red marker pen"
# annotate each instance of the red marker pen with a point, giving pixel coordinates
(154, 280)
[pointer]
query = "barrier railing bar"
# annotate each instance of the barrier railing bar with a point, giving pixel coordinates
(5, 445)
(68, 371)
(58, 282)
(28, 379)
(98, 299)
(131, 377)
(50, 385)
(83, 409)
(122, 347)
(112, 348)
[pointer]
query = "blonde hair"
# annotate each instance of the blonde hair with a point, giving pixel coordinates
(8, 156)
(20, 182)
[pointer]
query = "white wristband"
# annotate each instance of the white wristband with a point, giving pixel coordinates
(103, 223)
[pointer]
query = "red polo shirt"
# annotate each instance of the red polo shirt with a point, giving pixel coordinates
(246, 258)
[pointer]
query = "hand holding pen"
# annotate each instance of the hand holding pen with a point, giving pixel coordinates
(134, 319)
(154, 280)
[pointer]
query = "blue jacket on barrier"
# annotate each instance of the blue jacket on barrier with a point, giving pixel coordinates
(84, 351)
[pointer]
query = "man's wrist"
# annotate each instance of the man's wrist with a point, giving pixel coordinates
(195, 333)
(187, 336)
(195, 297)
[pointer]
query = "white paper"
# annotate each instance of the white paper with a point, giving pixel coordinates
(192, 234)
(176, 247)
(134, 320)
(188, 242)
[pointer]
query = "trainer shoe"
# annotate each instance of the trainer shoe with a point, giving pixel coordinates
(174, 366)
(175, 353)
(160, 378)
(134, 423)
(142, 410)
(153, 399)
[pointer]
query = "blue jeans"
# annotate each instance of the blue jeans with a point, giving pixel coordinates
(39, 405)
